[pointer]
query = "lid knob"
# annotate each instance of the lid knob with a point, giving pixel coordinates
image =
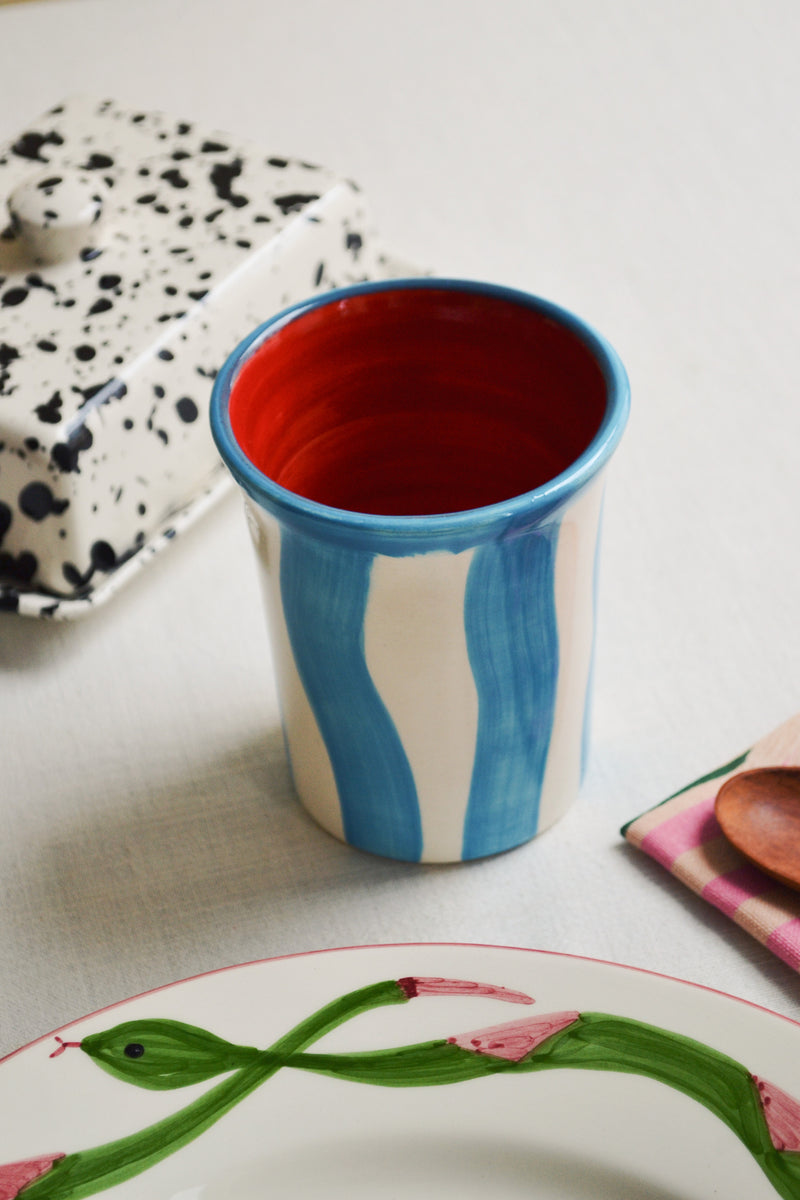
(59, 213)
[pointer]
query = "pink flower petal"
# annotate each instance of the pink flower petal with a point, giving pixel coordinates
(782, 1114)
(515, 1039)
(15, 1176)
(422, 985)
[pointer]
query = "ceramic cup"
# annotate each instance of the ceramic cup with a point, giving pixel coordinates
(422, 463)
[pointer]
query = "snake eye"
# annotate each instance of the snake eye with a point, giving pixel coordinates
(134, 1050)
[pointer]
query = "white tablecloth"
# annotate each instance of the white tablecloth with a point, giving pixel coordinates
(636, 163)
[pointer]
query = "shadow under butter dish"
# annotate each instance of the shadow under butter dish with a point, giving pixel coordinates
(422, 465)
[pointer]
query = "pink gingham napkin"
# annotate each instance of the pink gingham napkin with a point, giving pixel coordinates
(682, 833)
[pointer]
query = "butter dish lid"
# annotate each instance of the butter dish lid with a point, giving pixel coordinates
(139, 250)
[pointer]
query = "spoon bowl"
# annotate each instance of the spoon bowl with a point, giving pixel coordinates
(759, 813)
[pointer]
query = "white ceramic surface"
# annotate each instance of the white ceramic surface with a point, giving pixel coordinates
(552, 1134)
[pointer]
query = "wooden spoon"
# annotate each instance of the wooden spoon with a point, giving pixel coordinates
(759, 812)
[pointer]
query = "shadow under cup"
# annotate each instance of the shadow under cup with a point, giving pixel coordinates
(422, 462)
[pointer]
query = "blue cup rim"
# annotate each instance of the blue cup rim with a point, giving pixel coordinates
(393, 534)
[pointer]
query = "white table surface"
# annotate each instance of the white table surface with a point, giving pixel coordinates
(637, 163)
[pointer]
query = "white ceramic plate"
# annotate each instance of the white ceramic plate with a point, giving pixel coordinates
(508, 1132)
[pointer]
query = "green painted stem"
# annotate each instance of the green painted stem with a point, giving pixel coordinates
(89, 1171)
(592, 1041)
(598, 1042)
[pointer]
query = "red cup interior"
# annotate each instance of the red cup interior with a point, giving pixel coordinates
(417, 401)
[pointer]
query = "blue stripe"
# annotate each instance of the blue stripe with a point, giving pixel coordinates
(324, 591)
(512, 641)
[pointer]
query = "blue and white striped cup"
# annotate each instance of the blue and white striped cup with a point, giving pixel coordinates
(422, 462)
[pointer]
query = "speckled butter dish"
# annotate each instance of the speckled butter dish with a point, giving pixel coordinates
(139, 251)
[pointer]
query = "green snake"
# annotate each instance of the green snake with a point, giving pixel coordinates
(162, 1054)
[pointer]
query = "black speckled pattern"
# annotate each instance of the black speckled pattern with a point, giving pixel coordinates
(118, 304)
